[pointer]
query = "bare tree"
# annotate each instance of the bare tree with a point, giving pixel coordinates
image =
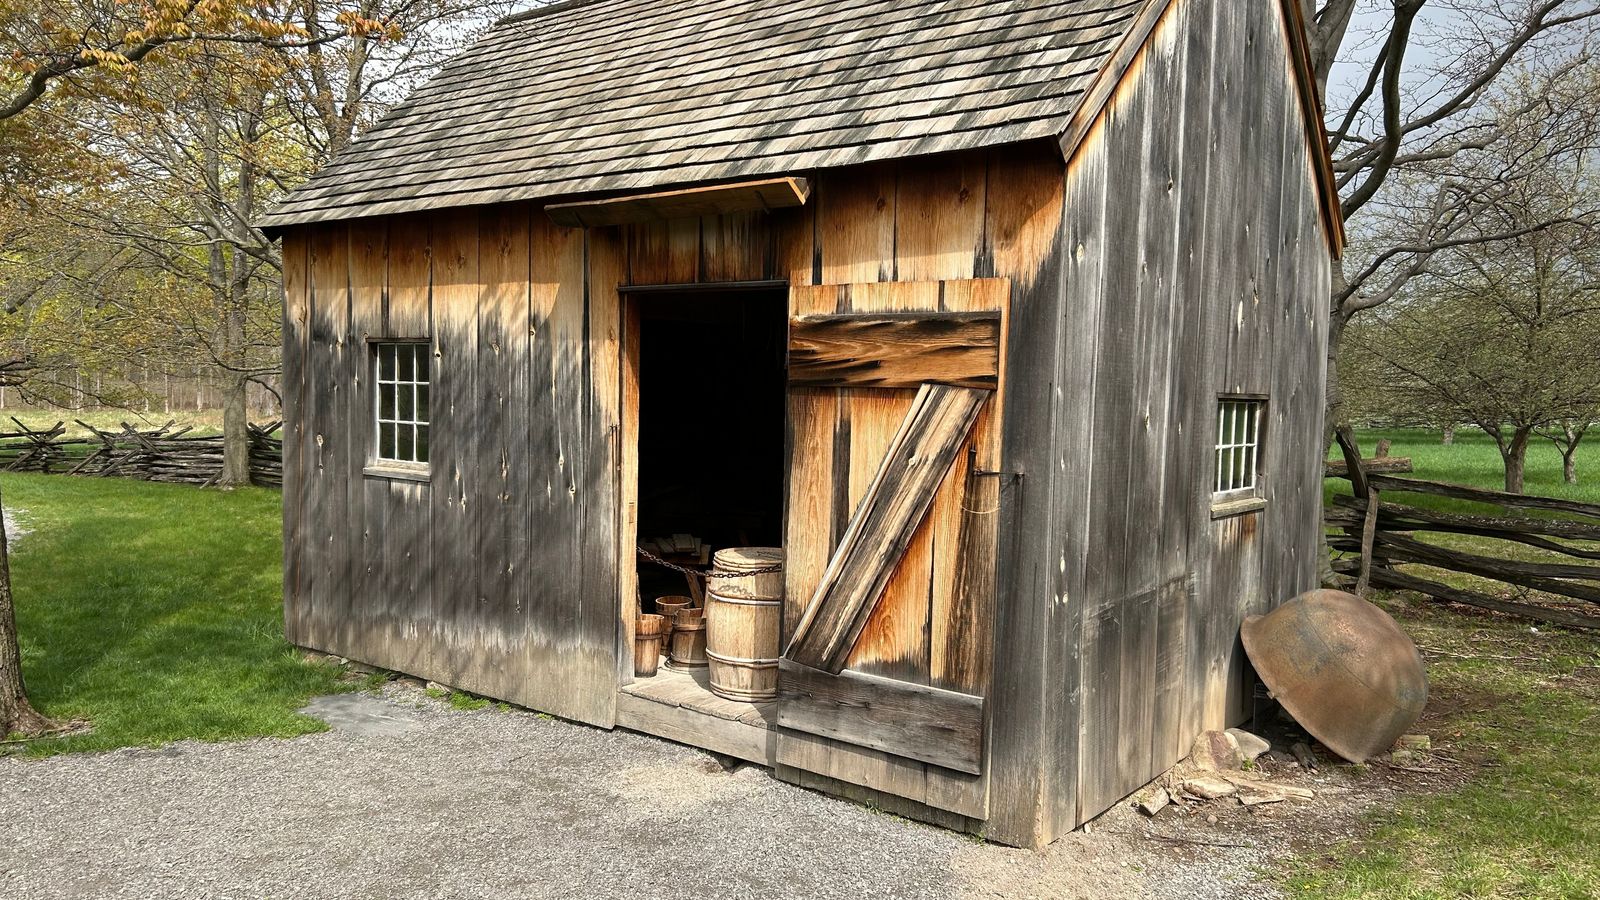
(1407, 117)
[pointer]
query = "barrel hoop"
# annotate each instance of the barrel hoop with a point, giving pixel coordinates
(742, 661)
(742, 601)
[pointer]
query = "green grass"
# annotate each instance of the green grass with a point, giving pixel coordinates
(1474, 460)
(1524, 713)
(154, 612)
(1517, 705)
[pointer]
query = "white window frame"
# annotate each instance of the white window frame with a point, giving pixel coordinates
(418, 420)
(1237, 451)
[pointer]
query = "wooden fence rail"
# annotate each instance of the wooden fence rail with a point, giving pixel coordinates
(1383, 535)
(159, 454)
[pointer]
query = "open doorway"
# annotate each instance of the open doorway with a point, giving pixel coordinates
(711, 420)
(708, 408)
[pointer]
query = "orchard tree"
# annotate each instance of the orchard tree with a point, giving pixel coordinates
(1503, 334)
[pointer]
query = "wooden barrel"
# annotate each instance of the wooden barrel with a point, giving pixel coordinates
(735, 561)
(744, 617)
(689, 640)
(647, 644)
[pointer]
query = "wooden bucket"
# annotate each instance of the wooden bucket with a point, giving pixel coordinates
(689, 640)
(667, 608)
(737, 560)
(647, 644)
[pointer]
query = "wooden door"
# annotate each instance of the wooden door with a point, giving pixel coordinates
(894, 404)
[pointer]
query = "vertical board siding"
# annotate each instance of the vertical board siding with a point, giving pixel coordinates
(1196, 261)
(1034, 692)
(296, 335)
(466, 578)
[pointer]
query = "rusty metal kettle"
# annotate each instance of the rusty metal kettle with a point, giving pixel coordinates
(1342, 667)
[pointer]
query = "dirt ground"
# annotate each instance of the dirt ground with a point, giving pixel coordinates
(407, 797)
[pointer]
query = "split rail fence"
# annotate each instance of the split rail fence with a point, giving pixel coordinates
(159, 454)
(1383, 535)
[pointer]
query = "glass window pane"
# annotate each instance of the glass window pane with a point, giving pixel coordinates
(424, 352)
(386, 401)
(386, 362)
(407, 405)
(386, 440)
(422, 443)
(407, 355)
(407, 446)
(422, 403)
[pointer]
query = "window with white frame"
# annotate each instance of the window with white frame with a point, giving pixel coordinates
(400, 371)
(1238, 448)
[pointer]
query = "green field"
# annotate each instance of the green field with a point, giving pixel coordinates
(1522, 716)
(1474, 460)
(154, 612)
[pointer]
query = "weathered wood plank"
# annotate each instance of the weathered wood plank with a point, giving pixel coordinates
(751, 743)
(895, 506)
(940, 727)
(598, 626)
(330, 425)
(500, 399)
(855, 225)
(895, 350)
(689, 203)
(1482, 495)
(296, 336)
(369, 275)
(459, 607)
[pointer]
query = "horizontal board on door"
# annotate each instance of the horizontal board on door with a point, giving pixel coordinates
(895, 350)
(943, 728)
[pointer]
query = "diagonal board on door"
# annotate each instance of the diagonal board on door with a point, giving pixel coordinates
(922, 453)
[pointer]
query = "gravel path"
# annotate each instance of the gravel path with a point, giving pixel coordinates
(409, 798)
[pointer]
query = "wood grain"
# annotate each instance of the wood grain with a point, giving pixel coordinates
(895, 350)
(895, 505)
(935, 726)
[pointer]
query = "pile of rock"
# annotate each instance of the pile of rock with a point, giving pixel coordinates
(1219, 768)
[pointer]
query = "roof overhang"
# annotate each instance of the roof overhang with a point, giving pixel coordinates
(689, 203)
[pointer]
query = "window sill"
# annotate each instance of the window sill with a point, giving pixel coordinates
(398, 473)
(1230, 508)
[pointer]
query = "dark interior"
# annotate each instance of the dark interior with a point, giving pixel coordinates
(711, 421)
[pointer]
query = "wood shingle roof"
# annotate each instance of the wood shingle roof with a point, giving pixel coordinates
(600, 96)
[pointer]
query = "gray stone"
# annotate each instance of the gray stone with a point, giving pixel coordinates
(361, 714)
(1216, 751)
(1251, 747)
(1210, 788)
(1154, 801)
(1416, 742)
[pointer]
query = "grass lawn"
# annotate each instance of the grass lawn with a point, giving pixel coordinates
(154, 612)
(1520, 709)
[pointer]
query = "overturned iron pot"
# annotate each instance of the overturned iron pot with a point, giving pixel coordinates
(1342, 668)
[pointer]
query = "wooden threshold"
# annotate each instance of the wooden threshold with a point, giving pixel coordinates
(679, 706)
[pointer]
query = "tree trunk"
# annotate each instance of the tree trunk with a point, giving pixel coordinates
(1515, 456)
(235, 432)
(1449, 435)
(1569, 464)
(17, 715)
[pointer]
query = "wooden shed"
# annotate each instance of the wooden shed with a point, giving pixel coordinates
(1005, 320)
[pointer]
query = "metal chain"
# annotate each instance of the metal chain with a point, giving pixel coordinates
(685, 570)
